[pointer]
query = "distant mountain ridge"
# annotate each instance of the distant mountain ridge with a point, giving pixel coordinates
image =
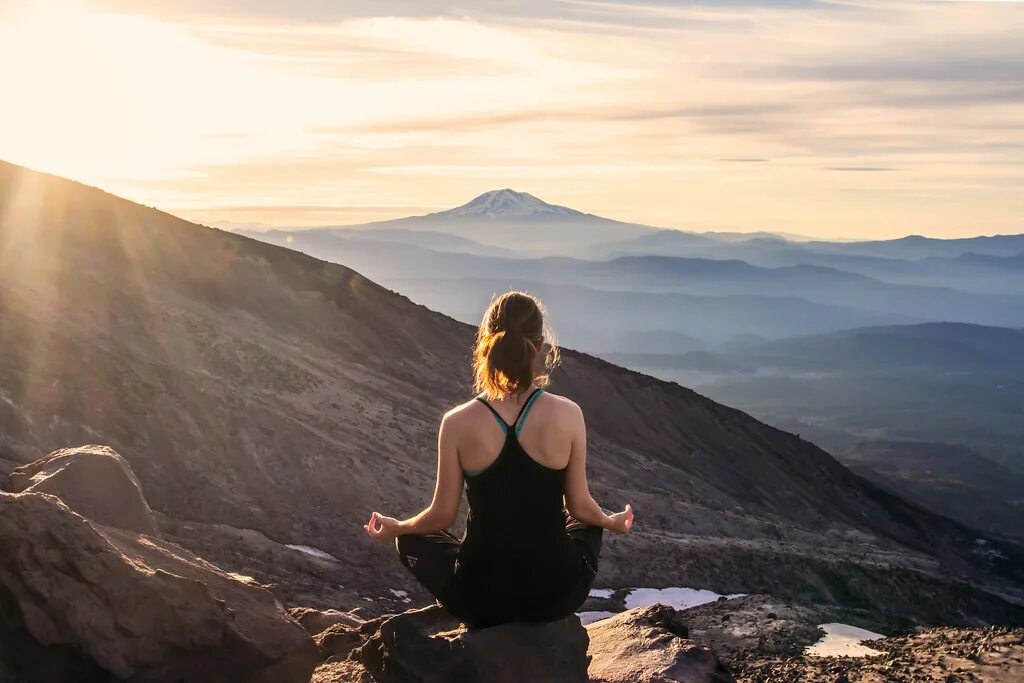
(827, 287)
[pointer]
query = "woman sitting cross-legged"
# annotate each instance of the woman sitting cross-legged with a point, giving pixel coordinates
(521, 452)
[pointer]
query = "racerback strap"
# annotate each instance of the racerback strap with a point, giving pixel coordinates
(520, 418)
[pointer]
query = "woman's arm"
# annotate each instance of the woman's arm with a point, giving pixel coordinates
(578, 501)
(443, 509)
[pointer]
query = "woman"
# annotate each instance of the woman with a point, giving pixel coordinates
(521, 452)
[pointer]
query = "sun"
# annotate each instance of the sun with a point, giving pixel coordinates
(108, 96)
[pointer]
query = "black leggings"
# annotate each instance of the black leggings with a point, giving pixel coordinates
(431, 559)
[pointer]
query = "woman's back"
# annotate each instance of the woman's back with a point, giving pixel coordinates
(517, 556)
(546, 429)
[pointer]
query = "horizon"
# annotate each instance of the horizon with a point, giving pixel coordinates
(228, 226)
(834, 120)
(792, 237)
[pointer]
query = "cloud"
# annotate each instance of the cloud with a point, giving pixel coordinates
(655, 111)
(859, 169)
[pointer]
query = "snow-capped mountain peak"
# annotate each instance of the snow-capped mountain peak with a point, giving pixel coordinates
(509, 204)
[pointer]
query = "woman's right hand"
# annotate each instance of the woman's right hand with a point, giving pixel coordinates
(382, 528)
(621, 522)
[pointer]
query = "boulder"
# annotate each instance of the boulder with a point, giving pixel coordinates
(650, 645)
(84, 602)
(429, 646)
(94, 481)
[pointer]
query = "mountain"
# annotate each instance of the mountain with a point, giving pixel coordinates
(602, 321)
(507, 205)
(943, 347)
(917, 246)
(267, 401)
(518, 221)
(669, 242)
(1014, 262)
(946, 478)
(961, 385)
(824, 286)
(968, 271)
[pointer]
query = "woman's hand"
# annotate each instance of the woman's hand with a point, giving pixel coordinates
(621, 522)
(381, 528)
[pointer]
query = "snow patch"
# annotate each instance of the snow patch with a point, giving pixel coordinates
(843, 640)
(509, 204)
(601, 592)
(591, 617)
(677, 597)
(401, 595)
(313, 552)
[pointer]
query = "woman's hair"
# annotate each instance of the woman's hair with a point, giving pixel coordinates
(507, 356)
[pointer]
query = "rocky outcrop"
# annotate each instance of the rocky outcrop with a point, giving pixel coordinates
(84, 602)
(94, 481)
(650, 645)
(428, 646)
(644, 645)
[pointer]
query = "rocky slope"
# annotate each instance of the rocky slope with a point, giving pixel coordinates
(950, 655)
(88, 602)
(265, 398)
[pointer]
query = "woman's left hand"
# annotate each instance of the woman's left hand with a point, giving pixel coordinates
(381, 528)
(621, 522)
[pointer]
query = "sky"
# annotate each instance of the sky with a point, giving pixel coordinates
(829, 118)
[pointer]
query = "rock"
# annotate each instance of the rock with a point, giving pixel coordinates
(428, 646)
(317, 621)
(649, 645)
(758, 626)
(85, 602)
(346, 671)
(337, 641)
(94, 481)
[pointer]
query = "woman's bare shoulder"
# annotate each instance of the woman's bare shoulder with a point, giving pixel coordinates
(565, 406)
(461, 413)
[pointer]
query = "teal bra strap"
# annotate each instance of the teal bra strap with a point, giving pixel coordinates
(504, 425)
(526, 411)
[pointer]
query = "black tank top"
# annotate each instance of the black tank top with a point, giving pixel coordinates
(516, 557)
